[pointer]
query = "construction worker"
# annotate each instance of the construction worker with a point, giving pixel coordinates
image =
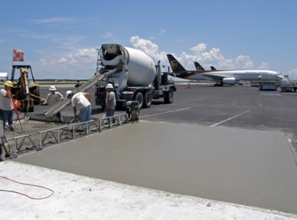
(110, 102)
(6, 105)
(79, 101)
(55, 97)
(78, 84)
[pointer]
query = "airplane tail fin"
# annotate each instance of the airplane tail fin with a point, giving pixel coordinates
(175, 65)
(198, 66)
(212, 68)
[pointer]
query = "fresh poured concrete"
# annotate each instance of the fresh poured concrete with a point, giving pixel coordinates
(249, 167)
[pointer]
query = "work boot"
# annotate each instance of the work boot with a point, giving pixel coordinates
(11, 128)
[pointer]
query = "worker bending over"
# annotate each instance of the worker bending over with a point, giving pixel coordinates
(6, 105)
(79, 101)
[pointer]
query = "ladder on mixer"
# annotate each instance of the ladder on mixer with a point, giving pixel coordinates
(62, 104)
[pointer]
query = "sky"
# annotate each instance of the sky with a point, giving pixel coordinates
(60, 38)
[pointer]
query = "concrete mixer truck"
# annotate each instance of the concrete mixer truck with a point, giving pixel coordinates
(136, 78)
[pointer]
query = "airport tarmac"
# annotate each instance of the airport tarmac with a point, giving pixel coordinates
(223, 143)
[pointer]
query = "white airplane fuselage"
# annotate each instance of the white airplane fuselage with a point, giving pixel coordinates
(234, 76)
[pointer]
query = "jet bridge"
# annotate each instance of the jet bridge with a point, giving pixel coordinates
(62, 104)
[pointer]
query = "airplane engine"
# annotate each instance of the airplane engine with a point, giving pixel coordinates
(230, 80)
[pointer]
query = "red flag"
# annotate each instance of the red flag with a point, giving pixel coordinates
(18, 55)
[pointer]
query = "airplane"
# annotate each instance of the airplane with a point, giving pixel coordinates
(222, 77)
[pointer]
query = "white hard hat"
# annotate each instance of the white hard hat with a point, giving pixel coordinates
(68, 93)
(52, 88)
(109, 86)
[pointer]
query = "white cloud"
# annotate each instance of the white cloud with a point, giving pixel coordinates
(199, 48)
(204, 57)
(162, 31)
(78, 65)
(145, 45)
(243, 62)
(62, 60)
(81, 63)
(211, 58)
(68, 42)
(264, 66)
(292, 71)
(149, 48)
(43, 62)
(51, 20)
(83, 56)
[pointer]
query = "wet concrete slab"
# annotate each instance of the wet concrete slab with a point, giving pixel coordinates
(249, 167)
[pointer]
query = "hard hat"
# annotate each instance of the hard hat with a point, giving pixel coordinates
(52, 88)
(8, 83)
(109, 86)
(68, 93)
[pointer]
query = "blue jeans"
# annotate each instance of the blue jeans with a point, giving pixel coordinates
(7, 116)
(85, 114)
(110, 112)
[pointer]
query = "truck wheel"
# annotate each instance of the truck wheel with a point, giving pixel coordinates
(139, 97)
(169, 97)
(147, 99)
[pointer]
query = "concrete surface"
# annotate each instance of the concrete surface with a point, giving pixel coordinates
(248, 167)
(80, 197)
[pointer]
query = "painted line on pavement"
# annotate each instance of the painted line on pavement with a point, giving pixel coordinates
(168, 112)
(228, 119)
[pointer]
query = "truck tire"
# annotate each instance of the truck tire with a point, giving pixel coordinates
(169, 96)
(139, 97)
(147, 99)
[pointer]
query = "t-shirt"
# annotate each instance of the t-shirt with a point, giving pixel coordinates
(80, 101)
(53, 97)
(5, 102)
(111, 96)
